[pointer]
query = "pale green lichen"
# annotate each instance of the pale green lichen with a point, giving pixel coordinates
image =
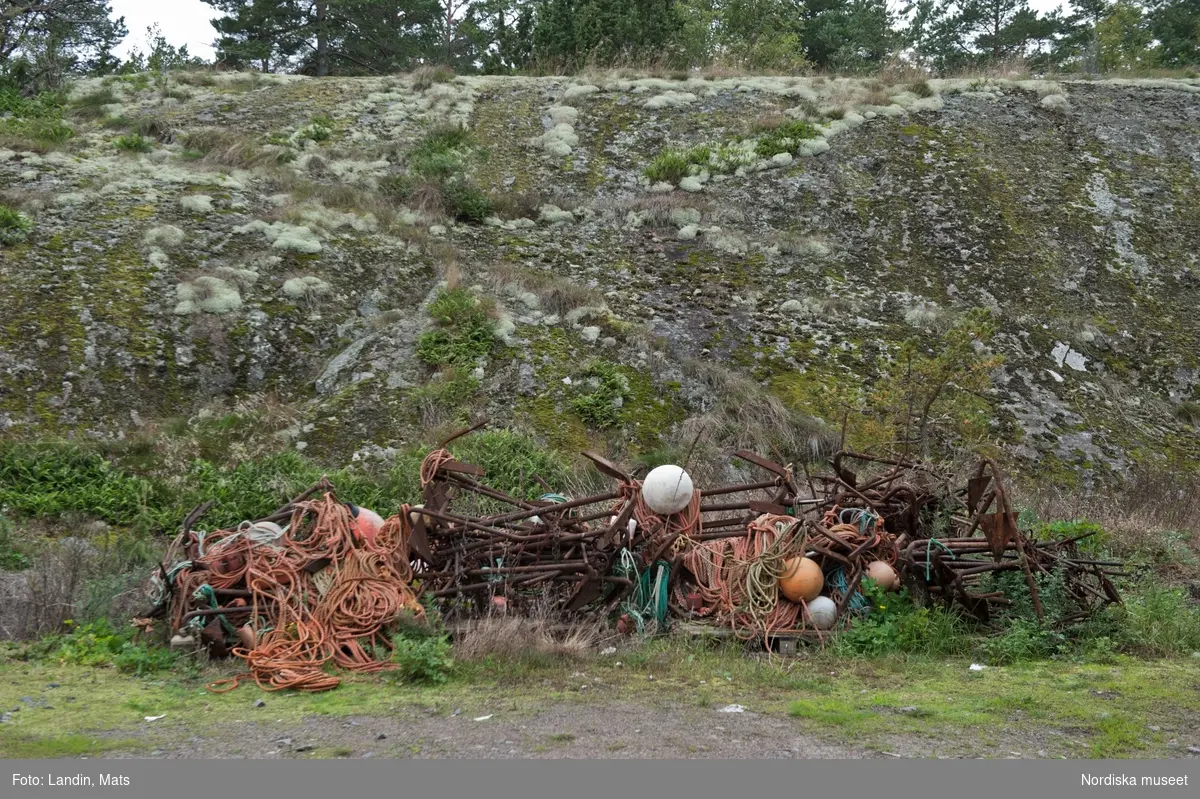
(207, 293)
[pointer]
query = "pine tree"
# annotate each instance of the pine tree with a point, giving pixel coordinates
(1176, 26)
(43, 42)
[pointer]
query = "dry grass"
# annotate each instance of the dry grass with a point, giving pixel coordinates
(26, 199)
(743, 415)
(71, 577)
(558, 296)
(517, 204)
(229, 148)
(656, 209)
(1153, 515)
(516, 638)
(424, 77)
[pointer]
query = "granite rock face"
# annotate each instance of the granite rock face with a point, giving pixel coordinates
(152, 285)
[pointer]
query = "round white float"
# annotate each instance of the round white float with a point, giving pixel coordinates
(823, 612)
(667, 489)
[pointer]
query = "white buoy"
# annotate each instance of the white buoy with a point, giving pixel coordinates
(823, 612)
(667, 490)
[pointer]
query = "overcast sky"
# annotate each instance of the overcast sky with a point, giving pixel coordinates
(187, 22)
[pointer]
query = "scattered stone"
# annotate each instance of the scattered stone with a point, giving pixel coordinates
(259, 703)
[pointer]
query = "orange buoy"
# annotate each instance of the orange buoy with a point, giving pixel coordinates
(247, 638)
(802, 580)
(883, 574)
(368, 523)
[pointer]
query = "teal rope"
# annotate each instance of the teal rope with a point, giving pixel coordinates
(205, 592)
(837, 581)
(860, 516)
(650, 599)
(928, 555)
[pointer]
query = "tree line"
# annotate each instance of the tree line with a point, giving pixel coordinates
(43, 41)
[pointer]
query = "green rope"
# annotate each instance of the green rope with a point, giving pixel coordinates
(205, 593)
(650, 600)
(928, 555)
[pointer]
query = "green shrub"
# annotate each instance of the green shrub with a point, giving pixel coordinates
(465, 201)
(784, 139)
(99, 644)
(440, 153)
(1157, 620)
(320, 129)
(134, 143)
(1024, 639)
(14, 225)
(464, 334)
(12, 555)
(896, 625)
(422, 658)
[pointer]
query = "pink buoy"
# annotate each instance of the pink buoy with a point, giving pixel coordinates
(368, 523)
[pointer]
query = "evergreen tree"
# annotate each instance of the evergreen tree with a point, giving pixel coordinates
(44, 41)
(1124, 39)
(848, 35)
(1176, 26)
(266, 35)
(570, 33)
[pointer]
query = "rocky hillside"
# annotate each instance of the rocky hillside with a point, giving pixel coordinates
(639, 263)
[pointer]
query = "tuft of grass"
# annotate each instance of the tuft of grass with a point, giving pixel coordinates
(14, 226)
(464, 331)
(921, 88)
(424, 77)
(672, 164)
(230, 148)
(1188, 412)
(91, 105)
(784, 138)
(133, 143)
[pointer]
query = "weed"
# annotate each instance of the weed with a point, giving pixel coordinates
(606, 391)
(464, 334)
(785, 138)
(99, 644)
(422, 658)
(1024, 639)
(14, 225)
(672, 165)
(1157, 620)
(896, 624)
(91, 105)
(134, 143)
(12, 554)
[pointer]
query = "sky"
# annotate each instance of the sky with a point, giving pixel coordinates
(187, 22)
